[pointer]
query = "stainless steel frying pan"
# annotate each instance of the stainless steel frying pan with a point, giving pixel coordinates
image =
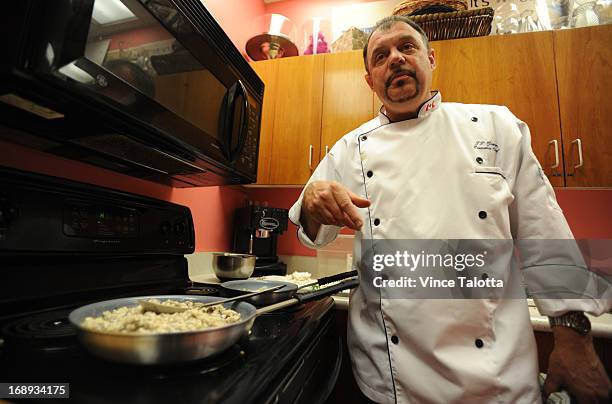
(163, 348)
(237, 287)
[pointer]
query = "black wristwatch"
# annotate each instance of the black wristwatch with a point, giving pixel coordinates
(575, 320)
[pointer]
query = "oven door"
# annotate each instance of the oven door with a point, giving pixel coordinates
(173, 83)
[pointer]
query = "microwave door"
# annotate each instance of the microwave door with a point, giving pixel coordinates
(132, 62)
(160, 72)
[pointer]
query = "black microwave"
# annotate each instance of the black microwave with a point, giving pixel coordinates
(149, 88)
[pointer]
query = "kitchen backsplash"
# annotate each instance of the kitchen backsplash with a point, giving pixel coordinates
(587, 211)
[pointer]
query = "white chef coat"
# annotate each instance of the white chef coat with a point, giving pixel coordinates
(423, 180)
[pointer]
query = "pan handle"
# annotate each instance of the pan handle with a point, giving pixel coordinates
(337, 277)
(328, 291)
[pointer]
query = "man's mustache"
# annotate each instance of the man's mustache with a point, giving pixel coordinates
(401, 72)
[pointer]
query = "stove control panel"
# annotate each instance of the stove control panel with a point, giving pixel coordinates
(81, 220)
(40, 214)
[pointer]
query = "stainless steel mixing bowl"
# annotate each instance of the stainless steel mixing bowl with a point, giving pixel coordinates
(229, 266)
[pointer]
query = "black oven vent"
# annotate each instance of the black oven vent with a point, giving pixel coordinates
(145, 156)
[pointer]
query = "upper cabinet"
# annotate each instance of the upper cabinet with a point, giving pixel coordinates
(554, 81)
(584, 64)
(267, 71)
(517, 71)
(291, 121)
(347, 98)
(309, 103)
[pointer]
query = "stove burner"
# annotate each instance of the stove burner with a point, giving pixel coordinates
(42, 326)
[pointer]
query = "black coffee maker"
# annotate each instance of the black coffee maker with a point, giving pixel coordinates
(255, 231)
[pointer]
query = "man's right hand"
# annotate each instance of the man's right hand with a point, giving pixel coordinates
(330, 203)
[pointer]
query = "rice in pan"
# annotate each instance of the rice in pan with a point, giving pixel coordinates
(136, 319)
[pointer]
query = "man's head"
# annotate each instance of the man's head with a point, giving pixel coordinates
(399, 66)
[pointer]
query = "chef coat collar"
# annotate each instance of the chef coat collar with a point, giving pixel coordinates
(427, 108)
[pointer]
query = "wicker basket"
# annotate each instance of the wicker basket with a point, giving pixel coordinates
(457, 24)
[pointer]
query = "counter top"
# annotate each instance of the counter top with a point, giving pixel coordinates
(600, 326)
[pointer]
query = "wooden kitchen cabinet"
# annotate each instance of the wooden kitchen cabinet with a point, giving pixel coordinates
(517, 71)
(266, 70)
(583, 61)
(347, 98)
(291, 127)
(309, 103)
(555, 81)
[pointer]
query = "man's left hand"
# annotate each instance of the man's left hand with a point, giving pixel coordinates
(575, 366)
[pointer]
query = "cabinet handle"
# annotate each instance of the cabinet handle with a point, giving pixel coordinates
(554, 142)
(310, 150)
(326, 149)
(581, 161)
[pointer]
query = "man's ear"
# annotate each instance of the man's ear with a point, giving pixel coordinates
(368, 80)
(432, 59)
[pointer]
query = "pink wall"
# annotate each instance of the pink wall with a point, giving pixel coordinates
(588, 212)
(211, 207)
(213, 214)
(236, 17)
(288, 243)
(300, 11)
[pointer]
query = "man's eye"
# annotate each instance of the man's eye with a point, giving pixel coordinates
(379, 57)
(407, 46)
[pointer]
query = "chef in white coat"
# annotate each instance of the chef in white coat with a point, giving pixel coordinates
(428, 170)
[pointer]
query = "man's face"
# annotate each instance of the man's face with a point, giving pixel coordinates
(400, 69)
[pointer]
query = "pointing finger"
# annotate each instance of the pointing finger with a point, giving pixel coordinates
(358, 201)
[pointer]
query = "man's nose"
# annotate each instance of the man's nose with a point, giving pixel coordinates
(396, 58)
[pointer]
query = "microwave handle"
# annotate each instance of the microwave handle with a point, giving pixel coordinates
(242, 134)
(228, 121)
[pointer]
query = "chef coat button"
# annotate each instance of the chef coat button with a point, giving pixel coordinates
(482, 214)
(364, 138)
(479, 344)
(474, 119)
(370, 174)
(376, 222)
(394, 339)
(484, 276)
(479, 160)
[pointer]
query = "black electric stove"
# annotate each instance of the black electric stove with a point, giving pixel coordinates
(65, 244)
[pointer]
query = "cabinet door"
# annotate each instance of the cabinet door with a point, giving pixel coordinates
(267, 72)
(347, 99)
(583, 59)
(517, 71)
(297, 119)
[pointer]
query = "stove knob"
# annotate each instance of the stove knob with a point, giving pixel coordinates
(165, 227)
(8, 214)
(179, 228)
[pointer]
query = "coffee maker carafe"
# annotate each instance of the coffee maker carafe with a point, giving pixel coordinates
(255, 231)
